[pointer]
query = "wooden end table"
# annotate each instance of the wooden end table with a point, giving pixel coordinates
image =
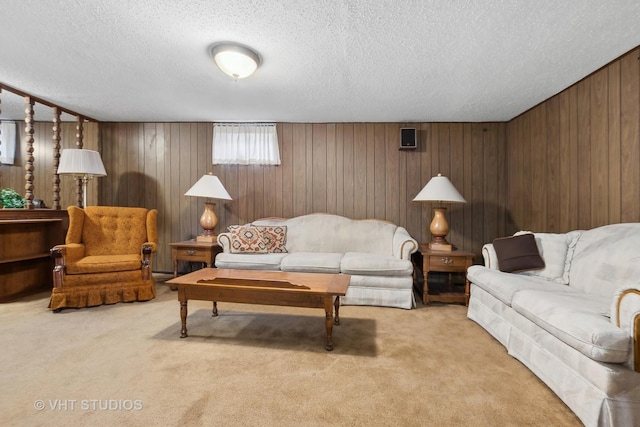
(447, 262)
(193, 251)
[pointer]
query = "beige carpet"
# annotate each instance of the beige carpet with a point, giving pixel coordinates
(260, 366)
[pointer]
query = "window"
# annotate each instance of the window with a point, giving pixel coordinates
(245, 144)
(7, 142)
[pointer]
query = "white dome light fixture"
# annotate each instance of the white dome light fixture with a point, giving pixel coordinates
(235, 60)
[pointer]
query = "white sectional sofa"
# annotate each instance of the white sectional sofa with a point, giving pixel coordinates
(377, 254)
(576, 322)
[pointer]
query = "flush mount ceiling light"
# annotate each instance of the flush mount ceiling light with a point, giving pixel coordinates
(235, 60)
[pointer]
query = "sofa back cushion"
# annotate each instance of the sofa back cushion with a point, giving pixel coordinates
(335, 234)
(109, 230)
(605, 257)
(557, 252)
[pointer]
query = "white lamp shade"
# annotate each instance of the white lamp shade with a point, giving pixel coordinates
(209, 186)
(439, 189)
(234, 60)
(76, 161)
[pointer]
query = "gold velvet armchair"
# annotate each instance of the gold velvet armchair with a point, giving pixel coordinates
(106, 257)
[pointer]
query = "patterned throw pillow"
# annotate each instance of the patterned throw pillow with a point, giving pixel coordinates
(275, 237)
(246, 239)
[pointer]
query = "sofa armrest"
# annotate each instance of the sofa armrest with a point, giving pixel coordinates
(625, 314)
(147, 250)
(71, 252)
(403, 244)
(63, 254)
(152, 245)
(490, 257)
(224, 241)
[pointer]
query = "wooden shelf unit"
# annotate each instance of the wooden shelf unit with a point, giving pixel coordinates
(26, 266)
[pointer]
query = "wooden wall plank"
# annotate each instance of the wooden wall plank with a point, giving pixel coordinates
(360, 170)
(501, 188)
(380, 171)
(340, 168)
(574, 146)
(331, 174)
(456, 176)
(287, 170)
(584, 154)
(564, 178)
(467, 187)
(491, 184)
(599, 146)
(553, 166)
(538, 171)
(613, 139)
(319, 162)
(308, 139)
(299, 170)
(392, 172)
(630, 143)
(370, 158)
(476, 198)
(347, 171)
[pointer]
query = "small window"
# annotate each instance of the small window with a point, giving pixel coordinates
(245, 144)
(8, 134)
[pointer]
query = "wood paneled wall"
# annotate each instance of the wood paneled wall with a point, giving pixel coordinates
(13, 176)
(350, 169)
(573, 162)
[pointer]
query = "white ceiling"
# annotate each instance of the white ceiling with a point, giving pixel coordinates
(323, 60)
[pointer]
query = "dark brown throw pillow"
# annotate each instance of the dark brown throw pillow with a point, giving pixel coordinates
(518, 253)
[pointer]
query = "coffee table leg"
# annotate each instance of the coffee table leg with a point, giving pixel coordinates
(183, 317)
(336, 304)
(328, 308)
(214, 313)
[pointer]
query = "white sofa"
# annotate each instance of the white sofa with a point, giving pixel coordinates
(576, 322)
(377, 255)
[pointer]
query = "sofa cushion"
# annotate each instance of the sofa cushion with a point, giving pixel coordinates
(504, 285)
(249, 261)
(104, 264)
(518, 253)
(312, 262)
(360, 263)
(556, 250)
(274, 237)
(246, 239)
(580, 320)
(335, 234)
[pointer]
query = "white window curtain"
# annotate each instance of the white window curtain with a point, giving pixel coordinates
(7, 142)
(245, 144)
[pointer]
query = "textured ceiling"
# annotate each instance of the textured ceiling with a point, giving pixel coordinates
(322, 60)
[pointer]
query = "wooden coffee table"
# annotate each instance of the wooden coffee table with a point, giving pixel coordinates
(263, 287)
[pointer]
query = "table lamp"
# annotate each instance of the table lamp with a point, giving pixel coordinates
(208, 186)
(439, 189)
(83, 164)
